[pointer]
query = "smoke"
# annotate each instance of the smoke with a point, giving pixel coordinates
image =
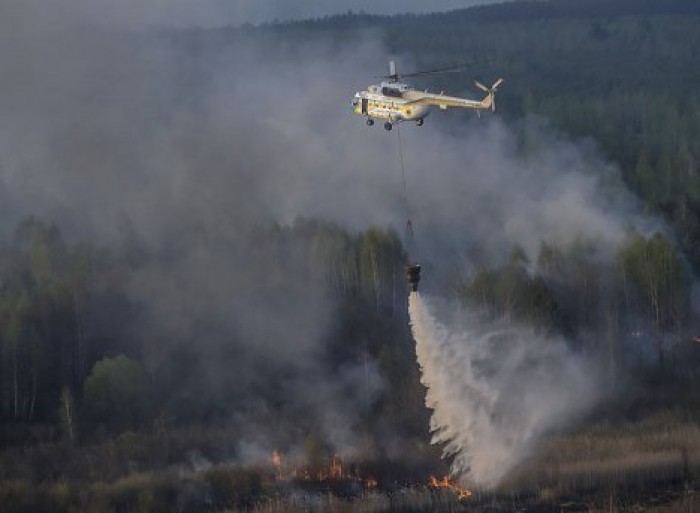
(107, 131)
(184, 144)
(136, 142)
(495, 390)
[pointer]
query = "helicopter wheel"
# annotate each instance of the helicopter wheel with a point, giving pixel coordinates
(370, 122)
(419, 122)
(388, 125)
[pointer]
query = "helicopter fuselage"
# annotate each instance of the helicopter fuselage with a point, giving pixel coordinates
(389, 101)
(395, 102)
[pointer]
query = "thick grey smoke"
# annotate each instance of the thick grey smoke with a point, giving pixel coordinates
(132, 139)
(495, 390)
(187, 142)
(102, 129)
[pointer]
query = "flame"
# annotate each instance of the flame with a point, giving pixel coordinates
(336, 469)
(462, 493)
(277, 463)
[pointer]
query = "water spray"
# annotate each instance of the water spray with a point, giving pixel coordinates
(495, 389)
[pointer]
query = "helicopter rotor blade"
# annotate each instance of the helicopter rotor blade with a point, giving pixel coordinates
(482, 86)
(438, 71)
(394, 75)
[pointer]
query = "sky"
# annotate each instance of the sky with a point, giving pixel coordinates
(254, 10)
(211, 13)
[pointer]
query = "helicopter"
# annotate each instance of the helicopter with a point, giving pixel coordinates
(395, 101)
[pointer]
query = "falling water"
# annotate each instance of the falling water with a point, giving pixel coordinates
(494, 390)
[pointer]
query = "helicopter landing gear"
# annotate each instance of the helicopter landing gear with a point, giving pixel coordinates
(419, 122)
(370, 122)
(388, 125)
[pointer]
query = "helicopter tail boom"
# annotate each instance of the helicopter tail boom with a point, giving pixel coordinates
(444, 102)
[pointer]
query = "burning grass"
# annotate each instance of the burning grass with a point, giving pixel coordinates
(651, 464)
(446, 484)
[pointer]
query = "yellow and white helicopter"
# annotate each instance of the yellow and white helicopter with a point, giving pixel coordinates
(394, 101)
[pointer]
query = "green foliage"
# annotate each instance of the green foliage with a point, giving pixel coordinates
(657, 278)
(509, 290)
(572, 291)
(622, 73)
(117, 393)
(380, 257)
(42, 348)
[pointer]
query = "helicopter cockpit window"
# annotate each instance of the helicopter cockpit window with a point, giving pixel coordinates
(391, 91)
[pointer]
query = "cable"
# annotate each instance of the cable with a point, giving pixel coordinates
(403, 171)
(409, 235)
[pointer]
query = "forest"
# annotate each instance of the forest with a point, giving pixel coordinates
(620, 73)
(103, 408)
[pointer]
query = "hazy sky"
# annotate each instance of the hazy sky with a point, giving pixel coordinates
(270, 9)
(234, 12)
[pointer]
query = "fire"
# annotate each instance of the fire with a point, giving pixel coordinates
(277, 463)
(370, 482)
(334, 471)
(462, 493)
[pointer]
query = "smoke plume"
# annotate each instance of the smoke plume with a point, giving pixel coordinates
(183, 144)
(495, 390)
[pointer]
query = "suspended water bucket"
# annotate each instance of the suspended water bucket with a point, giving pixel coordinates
(413, 275)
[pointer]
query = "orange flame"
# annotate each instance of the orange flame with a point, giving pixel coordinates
(336, 469)
(277, 463)
(462, 493)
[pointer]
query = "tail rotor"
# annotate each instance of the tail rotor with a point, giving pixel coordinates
(491, 92)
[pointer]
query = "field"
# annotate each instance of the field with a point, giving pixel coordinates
(651, 465)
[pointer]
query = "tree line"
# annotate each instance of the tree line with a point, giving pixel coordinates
(620, 73)
(71, 355)
(65, 361)
(640, 297)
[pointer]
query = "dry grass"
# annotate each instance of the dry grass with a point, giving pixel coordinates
(650, 465)
(404, 501)
(658, 451)
(680, 502)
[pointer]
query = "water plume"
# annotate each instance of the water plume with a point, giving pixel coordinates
(495, 389)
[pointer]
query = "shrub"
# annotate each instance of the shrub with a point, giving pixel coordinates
(117, 393)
